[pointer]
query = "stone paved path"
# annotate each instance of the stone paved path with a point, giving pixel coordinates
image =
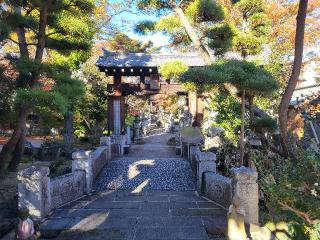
(152, 214)
(148, 194)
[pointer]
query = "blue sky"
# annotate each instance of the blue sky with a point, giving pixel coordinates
(126, 22)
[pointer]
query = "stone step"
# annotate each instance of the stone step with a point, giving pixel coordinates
(146, 215)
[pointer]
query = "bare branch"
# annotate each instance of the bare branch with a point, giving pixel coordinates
(299, 213)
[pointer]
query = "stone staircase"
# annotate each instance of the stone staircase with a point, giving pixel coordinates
(121, 214)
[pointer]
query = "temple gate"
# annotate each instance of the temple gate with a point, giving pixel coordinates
(143, 67)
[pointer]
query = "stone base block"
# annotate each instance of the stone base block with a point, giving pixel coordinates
(218, 188)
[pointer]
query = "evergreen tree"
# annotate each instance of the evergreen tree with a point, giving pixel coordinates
(246, 76)
(187, 22)
(48, 34)
(121, 42)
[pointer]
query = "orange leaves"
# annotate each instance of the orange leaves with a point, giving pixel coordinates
(283, 17)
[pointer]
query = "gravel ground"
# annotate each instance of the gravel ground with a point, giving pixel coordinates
(136, 173)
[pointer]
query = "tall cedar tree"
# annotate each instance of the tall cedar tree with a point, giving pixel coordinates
(292, 83)
(41, 30)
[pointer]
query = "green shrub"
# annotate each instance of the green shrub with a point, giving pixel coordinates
(265, 124)
(228, 114)
(291, 188)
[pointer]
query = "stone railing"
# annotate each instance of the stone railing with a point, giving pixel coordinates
(205, 162)
(221, 189)
(201, 162)
(218, 188)
(243, 185)
(117, 142)
(40, 194)
(90, 162)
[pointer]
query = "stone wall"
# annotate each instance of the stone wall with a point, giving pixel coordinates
(99, 160)
(218, 188)
(201, 162)
(34, 191)
(40, 194)
(66, 188)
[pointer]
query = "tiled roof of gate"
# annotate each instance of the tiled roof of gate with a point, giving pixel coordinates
(119, 59)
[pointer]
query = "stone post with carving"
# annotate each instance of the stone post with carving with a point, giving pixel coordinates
(245, 187)
(34, 191)
(82, 162)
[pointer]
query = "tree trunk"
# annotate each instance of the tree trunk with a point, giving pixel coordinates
(41, 39)
(243, 100)
(21, 34)
(250, 103)
(9, 147)
(286, 97)
(18, 152)
(203, 51)
(68, 134)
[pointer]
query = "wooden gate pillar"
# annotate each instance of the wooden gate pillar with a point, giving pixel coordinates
(116, 109)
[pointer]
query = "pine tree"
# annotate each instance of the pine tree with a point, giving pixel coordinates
(41, 31)
(187, 23)
(245, 25)
(246, 76)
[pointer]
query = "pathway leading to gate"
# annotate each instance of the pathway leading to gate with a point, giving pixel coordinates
(148, 194)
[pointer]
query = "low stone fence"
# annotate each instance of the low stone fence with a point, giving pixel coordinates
(201, 162)
(66, 188)
(217, 188)
(221, 189)
(117, 143)
(90, 162)
(40, 194)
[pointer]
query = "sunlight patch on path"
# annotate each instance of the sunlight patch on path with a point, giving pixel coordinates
(141, 186)
(133, 170)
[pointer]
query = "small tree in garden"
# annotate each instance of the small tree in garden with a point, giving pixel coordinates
(172, 69)
(291, 190)
(247, 77)
(92, 113)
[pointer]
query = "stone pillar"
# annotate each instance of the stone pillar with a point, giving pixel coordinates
(106, 141)
(122, 143)
(82, 162)
(206, 162)
(192, 100)
(245, 187)
(128, 134)
(193, 150)
(34, 191)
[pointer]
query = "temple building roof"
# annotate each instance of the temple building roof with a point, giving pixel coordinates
(123, 59)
